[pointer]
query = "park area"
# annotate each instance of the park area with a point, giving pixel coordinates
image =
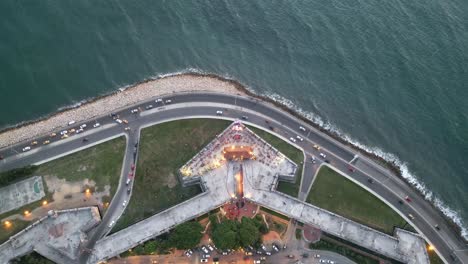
(337, 194)
(65, 181)
(164, 149)
(296, 155)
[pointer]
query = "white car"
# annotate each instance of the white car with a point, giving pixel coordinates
(124, 203)
(159, 100)
(96, 125)
(71, 122)
(298, 137)
(79, 131)
(210, 247)
(292, 139)
(205, 250)
(323, 155)
(219, 112)
(313, 159)
(203, 260)
(149, 107)
(111, 223)
(26, 148)
(118, 121)
(83, 126)
(302, 128)
(134, 111)
(63, 132)
(268, 253)
(168, 101)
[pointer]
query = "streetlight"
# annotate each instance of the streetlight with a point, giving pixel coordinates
(26, 213)
(44, 202)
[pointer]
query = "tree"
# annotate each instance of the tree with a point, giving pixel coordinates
(225, 235)
(186, 235)
(150, 247)
(248, 232)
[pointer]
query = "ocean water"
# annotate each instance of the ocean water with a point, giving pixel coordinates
(389, 76)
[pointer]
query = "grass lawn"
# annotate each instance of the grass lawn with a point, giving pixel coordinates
(101, 163)
(164, 149)
(292, 153)
(337, 194)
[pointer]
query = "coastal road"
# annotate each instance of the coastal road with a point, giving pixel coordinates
(386, 184)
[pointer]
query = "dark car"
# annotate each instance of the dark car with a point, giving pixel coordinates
(245, 117)
(400, 201)
(327, 161)
(370, 180)
(1, 157)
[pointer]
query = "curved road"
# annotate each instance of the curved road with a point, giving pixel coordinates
(386, 185)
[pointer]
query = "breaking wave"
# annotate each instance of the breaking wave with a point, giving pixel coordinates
(389, 157)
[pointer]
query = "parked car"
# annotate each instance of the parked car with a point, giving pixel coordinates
(26, 148)
(134, 111)
(71, 122)
(33, 143)
(292, 139)
(168, 101)
(245, 117)
(322, 155)
(317, 147)
(118, 121)
(124, 203)
(46, 142)
(96, 125)
(300, 138)
(204, 249)
(149, 107)
(302, 129)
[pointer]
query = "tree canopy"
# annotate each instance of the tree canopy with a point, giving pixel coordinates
(186, 235)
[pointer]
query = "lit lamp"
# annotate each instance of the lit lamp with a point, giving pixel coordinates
(430, 248)
(44, 202)
(26, 212)
(7, 223)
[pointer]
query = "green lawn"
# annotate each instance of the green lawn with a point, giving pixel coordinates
(101, 163)
(292, 153)
(337, 194)
(164, 149)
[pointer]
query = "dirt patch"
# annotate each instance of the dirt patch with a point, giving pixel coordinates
(171, 180)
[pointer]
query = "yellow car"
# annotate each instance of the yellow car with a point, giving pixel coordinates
(53, 135)
(317, 147)
(46, 142)
(33, 143)
(125, 121)
(71, 130)
(64, 136)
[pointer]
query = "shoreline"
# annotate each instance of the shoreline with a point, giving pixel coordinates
(187, 82)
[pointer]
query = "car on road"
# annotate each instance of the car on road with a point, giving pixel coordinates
(370, 180)
(125, 121)
(79, 131)
(313, 159)
(129, 190)
(219, 112)
(96, 125)
(127, 182)
(85, 139)
(322, 155)
(149, 107)
(63, 132)
(268, 253)
(83, 126)
(33, 143)
(437, 226)
(159, 100)
(134, 111)
(327, 161)
(400, 201)
(53, 135)
(71, 122)
(411, 216)
(300, 138)
(64, 136)
(1, 157)
(118, 121)
(301, 128)
(124, 203)
(72, 130)
(351, 168)
(28, 148)
(111, 223)
(257, 261)
(127, 129)
(245, 117)
(292, 139)
(407, 198)
(46, 142)
(317, 147)
(168, 101)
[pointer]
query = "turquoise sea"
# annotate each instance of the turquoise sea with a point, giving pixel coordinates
(391, 76)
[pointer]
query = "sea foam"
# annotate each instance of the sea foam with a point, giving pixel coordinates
(389, 157)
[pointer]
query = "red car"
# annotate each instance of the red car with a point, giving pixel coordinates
(130, 175)
(133, 166)
(351, 168)
(407, 198)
